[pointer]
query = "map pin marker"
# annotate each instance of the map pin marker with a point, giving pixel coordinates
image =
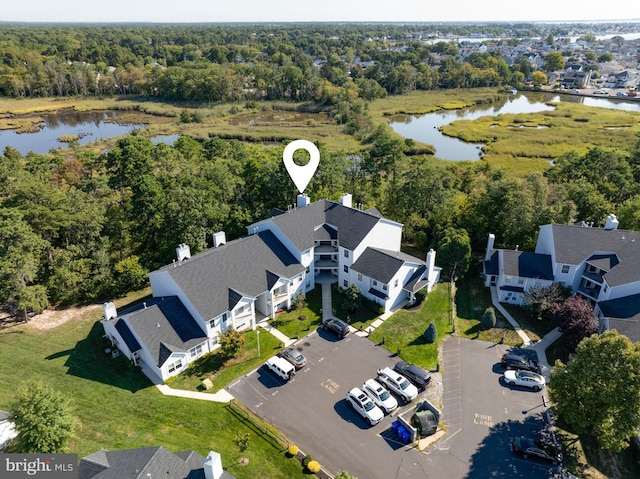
(301, 175)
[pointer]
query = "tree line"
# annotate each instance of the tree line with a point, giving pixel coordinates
(88, 226)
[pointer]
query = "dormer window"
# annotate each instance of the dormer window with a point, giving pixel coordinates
(565, 268)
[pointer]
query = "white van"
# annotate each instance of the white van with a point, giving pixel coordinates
(281, 367)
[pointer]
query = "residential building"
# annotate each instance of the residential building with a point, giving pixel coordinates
(240, 283)
(151, 462)
(600, 264)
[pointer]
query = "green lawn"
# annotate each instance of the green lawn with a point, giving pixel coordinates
(364, 315)
(288, 322)
(118, 408)
(405, 329)
(222, 370)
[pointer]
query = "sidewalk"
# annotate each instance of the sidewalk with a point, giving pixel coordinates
(286, 340)
(220, 396)
(505, 313)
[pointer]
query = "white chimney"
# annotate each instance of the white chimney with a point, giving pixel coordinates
(213, 466)
(431, 261)
(303, 200)
(611, 223)
(110, 311)
(346, 200)
(490, 241)
(219, 239)
(183, 252)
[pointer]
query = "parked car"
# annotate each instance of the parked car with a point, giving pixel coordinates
(379, 395)
(337, 326)
(525, 379)
(600, 92)
(397, 383)
(280, 367)
(520, 361)
(364, 406)
(294, 357)
(536, 449)
(413, 373)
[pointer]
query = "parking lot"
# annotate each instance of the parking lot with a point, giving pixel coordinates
(481, 414)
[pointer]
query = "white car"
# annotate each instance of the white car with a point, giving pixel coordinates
(364, 406)
(397, 383)
(525, 379)
(379, 395)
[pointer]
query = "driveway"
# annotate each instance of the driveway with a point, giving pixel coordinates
(480, 413)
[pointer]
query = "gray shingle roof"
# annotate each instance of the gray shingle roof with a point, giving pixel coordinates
(527, 265)
(141, 463)
(382, 265)
(624, 315)
(165, 326)
(574, 244)
(123, 329)
(299, 224)
(217, 278)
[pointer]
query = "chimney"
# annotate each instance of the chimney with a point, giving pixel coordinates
(110, 311)
(219, 239)
(303, 200)
(183, 252)
(611, 223)
(213, 466)
(431, 262)
(490, 241)
(346, 200)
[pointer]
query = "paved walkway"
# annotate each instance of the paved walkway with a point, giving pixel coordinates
(286, 340)
(505, 313)
(220, 396)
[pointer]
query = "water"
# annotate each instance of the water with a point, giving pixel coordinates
(426, 128)
(88, 126)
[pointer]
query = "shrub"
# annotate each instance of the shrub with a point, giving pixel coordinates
(293, 450)
(489, 318)
(302, 317)
(313, 466)
(307, 459)
(431, 333)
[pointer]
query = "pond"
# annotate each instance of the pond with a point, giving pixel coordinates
(426, 128)
(87, 126)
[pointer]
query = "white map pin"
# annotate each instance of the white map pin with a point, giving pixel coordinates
(301, 175)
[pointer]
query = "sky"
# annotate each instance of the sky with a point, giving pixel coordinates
(198, 11)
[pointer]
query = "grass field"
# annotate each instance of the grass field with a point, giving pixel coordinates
(289, 322)
(405, 329)
(117, 406)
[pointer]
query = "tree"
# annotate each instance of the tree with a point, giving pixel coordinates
(539, 300)
(575, 318)
(242, 440)
(488, 318)
(431, 333)
(605, 57)
(553, 61)
(351, 298)
(598, 392)
(231, 342)
(454, 252)
(539, 78)
(44, 419)
(130, 274)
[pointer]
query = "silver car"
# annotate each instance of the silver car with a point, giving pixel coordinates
(525, 379)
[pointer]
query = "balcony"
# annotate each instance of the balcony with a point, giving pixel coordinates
(589, 293)
(325, 248)
(595, 277)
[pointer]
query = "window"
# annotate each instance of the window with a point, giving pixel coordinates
(175, 366)
(345, 283)
(521, 281)
(507, 279)
(359, 277)
(375, 283)
(592, 268)
(299, 279)
(214, 340)
(384, 287)
(308, 270)
(346, 268)
(395, 283)
(346, 253)
(308, 284)
(565, 268)
(197, 351)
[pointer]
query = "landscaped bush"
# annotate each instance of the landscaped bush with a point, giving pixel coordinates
(293, 450)
(307, 459)
(489, 318)
(313, 466)
(431, 333)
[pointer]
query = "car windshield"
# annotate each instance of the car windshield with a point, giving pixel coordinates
(384, 395)
(368, 406)
(404, 384)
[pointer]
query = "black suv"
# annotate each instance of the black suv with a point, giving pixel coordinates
(340, 328)
(413, 373)
(520, 361)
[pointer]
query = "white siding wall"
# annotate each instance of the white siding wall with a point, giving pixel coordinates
(623, 290)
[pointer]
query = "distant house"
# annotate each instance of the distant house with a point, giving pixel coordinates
(576, 79)
(600, 264)
(238, 284)
(151, 463)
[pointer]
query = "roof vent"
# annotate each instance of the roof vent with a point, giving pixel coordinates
(219, 239)
(611, 223)
(346, 200)
(183, 252)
